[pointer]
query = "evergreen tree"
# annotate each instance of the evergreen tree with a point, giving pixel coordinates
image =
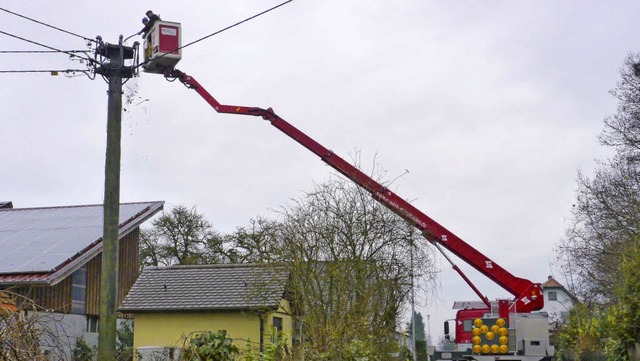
(420, 334)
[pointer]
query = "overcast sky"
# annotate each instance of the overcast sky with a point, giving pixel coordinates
(491, 106)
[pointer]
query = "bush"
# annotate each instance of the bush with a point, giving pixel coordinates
(210, 346)
(82, 351)
(124, 346)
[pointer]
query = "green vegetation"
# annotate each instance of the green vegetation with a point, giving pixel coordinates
(601, 250)
(83, 352)
(210, 346)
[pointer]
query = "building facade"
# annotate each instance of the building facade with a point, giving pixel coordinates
(558, 301)
(51, 265)
(172, 304)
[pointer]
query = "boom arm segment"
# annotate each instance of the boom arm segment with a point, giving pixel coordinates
(528, 295)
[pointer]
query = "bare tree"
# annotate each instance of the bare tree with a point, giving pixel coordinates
(350, 264)
(25, 332)
(180, 236)
(606, 215)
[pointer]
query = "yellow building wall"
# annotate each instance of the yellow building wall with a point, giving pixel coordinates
(283, 312)
(172, 329)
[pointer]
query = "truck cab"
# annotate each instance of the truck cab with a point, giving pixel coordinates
(483, 335)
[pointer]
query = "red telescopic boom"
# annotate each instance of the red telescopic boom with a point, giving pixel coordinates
(528, 295)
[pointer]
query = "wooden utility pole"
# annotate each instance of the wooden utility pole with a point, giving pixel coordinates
(113, 69)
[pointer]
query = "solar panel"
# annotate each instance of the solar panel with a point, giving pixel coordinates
(39, 239)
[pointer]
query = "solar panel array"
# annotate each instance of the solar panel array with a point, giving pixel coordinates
(39, 239)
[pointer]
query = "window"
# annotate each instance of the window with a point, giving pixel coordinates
(277, 327)
(92, 324)
(467, 325)
(277, 324)
(553, 296)
(79, 290)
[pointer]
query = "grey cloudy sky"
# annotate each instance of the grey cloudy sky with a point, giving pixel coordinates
(492, 106)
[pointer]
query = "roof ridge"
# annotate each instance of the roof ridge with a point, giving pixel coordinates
(73, 206)
(212, 265)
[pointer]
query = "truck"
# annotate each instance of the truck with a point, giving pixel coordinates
(488, 330)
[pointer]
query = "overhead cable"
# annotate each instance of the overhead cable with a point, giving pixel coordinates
(45, 24)
(69, 73)
(47, 46)
(236, 24)
(53, 72)
(221, 30)
(42, 51)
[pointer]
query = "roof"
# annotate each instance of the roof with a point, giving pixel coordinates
(221, 287)
(44, 245)
(552, 283)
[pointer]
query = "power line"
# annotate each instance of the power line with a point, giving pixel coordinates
(222, 30)
(45, 24)
(41, 51)
(47, 46)
(67, 72)
(236, 24)
(53, 72)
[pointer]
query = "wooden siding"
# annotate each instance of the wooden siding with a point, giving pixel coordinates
(127, 272)
(93, 285)
(58, 298)
(129, 257)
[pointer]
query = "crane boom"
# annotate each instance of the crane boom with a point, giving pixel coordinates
(528, 295)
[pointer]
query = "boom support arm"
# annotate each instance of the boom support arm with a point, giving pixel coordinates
(528, 295)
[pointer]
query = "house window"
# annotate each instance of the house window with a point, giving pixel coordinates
(277, 327)
(553, 296)
(92, 324)
(79, 290)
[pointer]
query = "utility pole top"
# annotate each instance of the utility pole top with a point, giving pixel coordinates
(112, 59)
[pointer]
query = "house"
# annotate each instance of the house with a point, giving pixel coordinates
(558, 301)
(170, 304)
(52, 256)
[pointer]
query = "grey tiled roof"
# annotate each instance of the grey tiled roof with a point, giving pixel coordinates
(207, 287)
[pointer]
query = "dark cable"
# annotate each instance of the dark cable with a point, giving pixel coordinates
(48, 47)
(41, 51)
(236, 24)
(51, 26)
(68, 72)
(221, 30)
(44, 71)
